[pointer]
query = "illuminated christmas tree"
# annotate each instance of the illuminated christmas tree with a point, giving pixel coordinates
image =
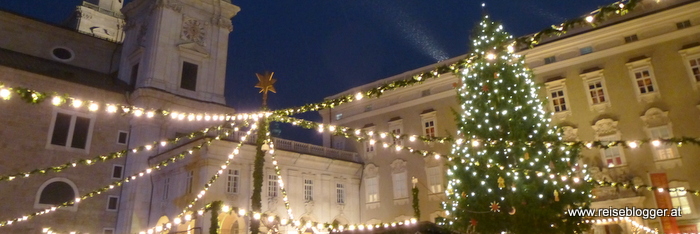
(509, 173)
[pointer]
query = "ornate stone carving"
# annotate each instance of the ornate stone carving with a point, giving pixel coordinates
(398, 166)
(371, 171)
(308, 207)
(654, 117)
(170, 4)
(569, 133)
(605, 127)
(272, 204)
(193, 30)
(223, 23)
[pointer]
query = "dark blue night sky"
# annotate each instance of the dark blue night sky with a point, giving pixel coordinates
(322, 47)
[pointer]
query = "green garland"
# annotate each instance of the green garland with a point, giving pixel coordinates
(258, 173)
(416, 202)
(215, 207)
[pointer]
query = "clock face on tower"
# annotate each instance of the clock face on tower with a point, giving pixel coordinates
(193, 30)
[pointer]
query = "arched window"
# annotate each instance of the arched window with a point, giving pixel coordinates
(55, 192)
(235, 229)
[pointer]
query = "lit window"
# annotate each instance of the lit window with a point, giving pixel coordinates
(368, 143)
(549, 60)
(71, 131)
(612, 156)
(586, 50)
(558, 100)
(642, 75)
(272, 186)
(631, 38)
(662, 151)
(684, 24)
(695, 68)
(644, 81)
(340, 193)
(435, 179)
(372, 188)
(232, 181)
(400, 188)
(679, 198)
(596, 92)
(428, 120)
(308, 190)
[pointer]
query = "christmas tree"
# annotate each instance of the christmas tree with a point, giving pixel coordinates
(508, 172)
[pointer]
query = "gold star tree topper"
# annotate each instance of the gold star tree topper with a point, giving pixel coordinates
(265, 84)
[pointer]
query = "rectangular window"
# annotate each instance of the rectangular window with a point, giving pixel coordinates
(122, 137)
(612, 156)
(558, 100)
(134, 74)
(549, 60)
(400, 190)
(340, 193)
(586, 50)
(339, 116)
(232, 181)
(644, 80)
(189, 181)
(368, 107)
(166, 188)
(112, 203)
(117, 171)
(679, 198)
(631, 38)
(272, 186)
(395, 127)
(429, 127)
(682, 25)
(188, 78)
(662, 151)
(596, 92)
(71, 131)
(108, 231)
(372, 188)
(435, 179)
(425, 93)
(308, 190)
(695, 68)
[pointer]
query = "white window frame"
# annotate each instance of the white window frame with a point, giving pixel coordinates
(109, 198)
(621, 152)
(340, 193)
(372, 189)
(680, 197)
(400, 185)
(69, 138)
(104, 230)
(308, 190)
(127, 137)
(435, 179)
(692, 53)
(592, 78)
(272, 186)
(640, 66)
(427, 118)
(667, 149)
(233, 181)
(114, 166)
(396, 127)
(554, 86)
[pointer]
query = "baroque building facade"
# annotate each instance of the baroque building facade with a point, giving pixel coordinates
(157, 55)
(633, 77)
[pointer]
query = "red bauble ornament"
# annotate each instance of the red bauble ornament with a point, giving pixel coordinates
(485, 88)
(474, 222)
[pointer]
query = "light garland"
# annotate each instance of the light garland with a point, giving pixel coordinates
(112, 185)
(635, 224)
(182, 215)
(36, 97)
(108, 156)
(280, 181)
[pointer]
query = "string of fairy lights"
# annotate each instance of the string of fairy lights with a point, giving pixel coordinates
(64, 100)
(183, 215)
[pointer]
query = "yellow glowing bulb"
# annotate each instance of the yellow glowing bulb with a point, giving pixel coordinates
(77, 103)
(111, 108)
(358, 96)
(5, 93)
(93, 107)
(589, 19)
(656, 143)
(56, 101)
(490, 56)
